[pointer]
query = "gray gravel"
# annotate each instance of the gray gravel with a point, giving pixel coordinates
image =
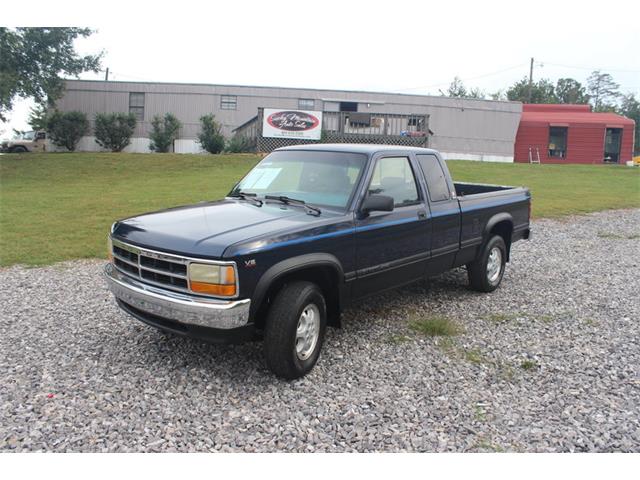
(548, 362)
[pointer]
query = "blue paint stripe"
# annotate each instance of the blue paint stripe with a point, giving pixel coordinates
(387, 224)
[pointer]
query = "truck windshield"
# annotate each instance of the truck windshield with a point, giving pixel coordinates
(318, 178)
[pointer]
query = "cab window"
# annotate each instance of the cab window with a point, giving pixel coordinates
(394, 177)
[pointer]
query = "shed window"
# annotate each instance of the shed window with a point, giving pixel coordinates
(306, 103)
(558, 142)
(136, 105)
(228, 102)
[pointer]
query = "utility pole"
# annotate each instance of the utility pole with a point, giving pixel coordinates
(106, 75)
(530, 81)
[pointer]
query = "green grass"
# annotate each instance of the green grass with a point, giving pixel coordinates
(528, 365)
(559, 190)
(435, 326)
(59, 206)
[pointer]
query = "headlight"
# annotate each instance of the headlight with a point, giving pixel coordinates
(212, 279)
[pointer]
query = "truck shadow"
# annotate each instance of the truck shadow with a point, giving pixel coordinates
(178, 357)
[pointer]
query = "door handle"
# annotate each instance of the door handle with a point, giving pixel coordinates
(422, 215)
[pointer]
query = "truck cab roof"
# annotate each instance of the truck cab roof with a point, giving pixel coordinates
(367, 149)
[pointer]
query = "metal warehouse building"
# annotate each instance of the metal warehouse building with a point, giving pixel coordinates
(459, 128)
(573, 134)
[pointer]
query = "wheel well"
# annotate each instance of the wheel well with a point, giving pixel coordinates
(504, 229)
(325, 277)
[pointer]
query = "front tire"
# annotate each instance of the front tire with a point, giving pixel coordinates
(295, 329)
(486, 271)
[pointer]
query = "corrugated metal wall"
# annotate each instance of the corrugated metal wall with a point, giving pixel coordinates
(585, 143)
(464, 126)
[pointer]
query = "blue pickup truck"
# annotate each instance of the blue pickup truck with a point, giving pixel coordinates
(307, 232)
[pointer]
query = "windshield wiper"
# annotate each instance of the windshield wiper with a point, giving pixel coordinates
(294, 201)
(247, 196)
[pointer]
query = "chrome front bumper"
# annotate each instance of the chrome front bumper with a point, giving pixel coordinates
(179, 307)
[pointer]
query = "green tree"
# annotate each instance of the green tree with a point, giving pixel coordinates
(113, 131)
(630, 108)
(542, 91)
(456, 89)
(33, 61)
(569, 90)
(603, 91)
(164, 130)
(210, 136)
(65, 129)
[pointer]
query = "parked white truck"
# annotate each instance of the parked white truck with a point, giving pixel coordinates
(26, 142)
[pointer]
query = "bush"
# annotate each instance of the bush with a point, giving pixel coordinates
(65, 129)
(240, 144)
(163, 132)
(210, 136)
(114, 130)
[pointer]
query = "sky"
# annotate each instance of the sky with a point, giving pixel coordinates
(407, 47)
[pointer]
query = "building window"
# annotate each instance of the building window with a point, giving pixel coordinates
(558, 142)
(136, 105)
(306, 103)
(228, 102)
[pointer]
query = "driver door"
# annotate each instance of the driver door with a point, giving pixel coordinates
(392, 248)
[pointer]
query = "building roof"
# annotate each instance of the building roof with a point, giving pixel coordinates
(563, 115)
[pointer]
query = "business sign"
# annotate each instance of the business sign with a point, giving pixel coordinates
(303, 124)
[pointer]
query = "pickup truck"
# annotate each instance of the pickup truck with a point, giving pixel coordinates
(25, 142)
(308, 231)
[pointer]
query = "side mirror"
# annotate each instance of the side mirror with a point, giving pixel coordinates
(377, 203)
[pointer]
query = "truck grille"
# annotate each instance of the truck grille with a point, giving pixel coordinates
(152, 267)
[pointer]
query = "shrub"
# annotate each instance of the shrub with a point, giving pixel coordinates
(65, 129)
(164, 130)
(210, 136)
(240, 144)
(114, 130)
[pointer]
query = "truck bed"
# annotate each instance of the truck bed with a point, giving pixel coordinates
(464, 189)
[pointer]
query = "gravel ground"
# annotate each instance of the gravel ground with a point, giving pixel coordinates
(548, 362)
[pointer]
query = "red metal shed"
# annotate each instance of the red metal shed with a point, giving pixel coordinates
(572, 134)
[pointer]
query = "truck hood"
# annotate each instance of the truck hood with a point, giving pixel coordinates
(207, 229)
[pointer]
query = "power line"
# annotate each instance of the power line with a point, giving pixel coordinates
(462, 79)
(591, 68)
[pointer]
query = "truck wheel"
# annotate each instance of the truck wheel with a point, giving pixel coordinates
(486, 271)
(294, 330)
(19, 149)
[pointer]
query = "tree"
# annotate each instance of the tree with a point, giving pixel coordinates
(603, 91)
(114, 130)
(33, 61)
(65, 129)
(457, 89)
(542, 91)
(164, 130)
(630, 108)
(210, 136)
(569, 90)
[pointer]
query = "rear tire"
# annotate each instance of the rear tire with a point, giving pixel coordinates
(486, 271)
(19, 149)
(295, 329)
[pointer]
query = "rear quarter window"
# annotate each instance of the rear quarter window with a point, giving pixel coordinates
(436, 179)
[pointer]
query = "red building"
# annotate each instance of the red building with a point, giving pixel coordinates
(572, 134)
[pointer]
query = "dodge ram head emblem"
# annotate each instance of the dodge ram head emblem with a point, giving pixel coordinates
(250, 263)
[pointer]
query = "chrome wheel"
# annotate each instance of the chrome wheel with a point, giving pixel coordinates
(308, 331)
(494, 264)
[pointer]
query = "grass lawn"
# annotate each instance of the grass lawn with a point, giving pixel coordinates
(59, 206)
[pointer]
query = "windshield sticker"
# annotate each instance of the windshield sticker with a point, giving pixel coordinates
(260, 178)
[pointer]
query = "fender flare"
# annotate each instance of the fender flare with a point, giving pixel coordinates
(291, 265)
(493, 221)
